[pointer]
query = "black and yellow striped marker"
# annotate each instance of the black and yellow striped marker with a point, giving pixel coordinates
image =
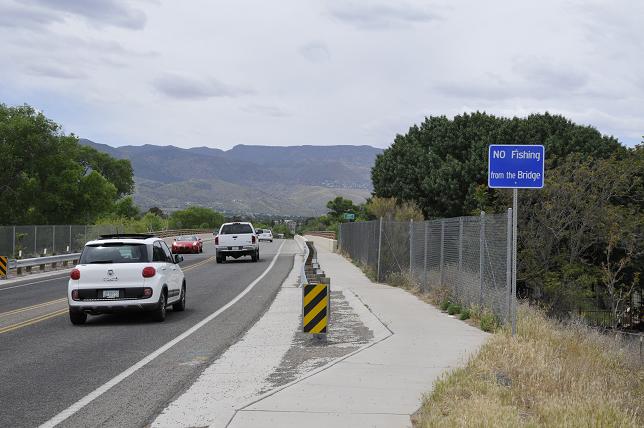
(316, 307)
(3, 267)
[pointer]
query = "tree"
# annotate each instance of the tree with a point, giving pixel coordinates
(196, 218)
(125, 207)
(47, 177)
(338, 206)
(441, 163)
(157, 211)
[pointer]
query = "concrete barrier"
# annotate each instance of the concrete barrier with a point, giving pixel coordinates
(326, 243)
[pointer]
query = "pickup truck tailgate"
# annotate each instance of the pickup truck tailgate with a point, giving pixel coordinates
(236, 240)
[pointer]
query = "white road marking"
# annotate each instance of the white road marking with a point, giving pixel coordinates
(240, 374)
(74, 408)
(31, 283)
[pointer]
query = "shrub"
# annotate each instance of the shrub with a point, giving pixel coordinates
(445, 304)
(465, 314)
(453, 308)
(489, 322)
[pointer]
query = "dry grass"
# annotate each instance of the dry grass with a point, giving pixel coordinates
(548, 375)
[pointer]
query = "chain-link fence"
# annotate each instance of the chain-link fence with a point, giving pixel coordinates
(35, 241)
(470, 257)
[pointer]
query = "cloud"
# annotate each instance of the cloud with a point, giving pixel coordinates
(184, 87)
(266, 110)
(315, 52)
(55, 71)
(379, 14)
(14, 16)
(551, 76)
(101, 12)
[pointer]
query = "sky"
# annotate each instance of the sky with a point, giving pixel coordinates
(323, 72)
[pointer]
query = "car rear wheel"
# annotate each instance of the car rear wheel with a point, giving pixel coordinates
(77, 317)
(160, 311)
(181, 304)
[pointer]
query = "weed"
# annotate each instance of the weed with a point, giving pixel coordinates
(453, 308)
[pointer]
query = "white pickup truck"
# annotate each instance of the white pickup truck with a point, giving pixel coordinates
(236, 240)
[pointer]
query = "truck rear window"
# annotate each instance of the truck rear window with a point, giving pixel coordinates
(115, 252)
(234, 229)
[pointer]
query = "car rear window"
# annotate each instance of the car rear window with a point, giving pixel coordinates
(115, 252)
(233, 229)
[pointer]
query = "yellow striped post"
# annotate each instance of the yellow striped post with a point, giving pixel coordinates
(3, 267)
(315, 316)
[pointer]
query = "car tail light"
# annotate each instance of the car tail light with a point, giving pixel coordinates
(147, 292)
(216, 240)
(75, 274)
(149, 272)
(75, 295)
(254, 239)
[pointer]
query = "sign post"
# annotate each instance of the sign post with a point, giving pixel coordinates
(515, 167)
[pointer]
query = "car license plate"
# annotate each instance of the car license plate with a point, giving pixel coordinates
(110, 294)
(240, 248)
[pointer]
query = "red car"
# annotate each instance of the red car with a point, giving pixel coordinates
(187, 244)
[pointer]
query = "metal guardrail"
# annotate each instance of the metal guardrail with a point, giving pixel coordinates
(19, 264)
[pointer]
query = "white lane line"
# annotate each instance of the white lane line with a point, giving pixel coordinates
(31, 283)
(74, 408)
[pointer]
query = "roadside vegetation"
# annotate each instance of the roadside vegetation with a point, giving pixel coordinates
(549, 374)
(581, 241)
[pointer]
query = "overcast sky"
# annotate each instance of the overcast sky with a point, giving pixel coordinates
(289, 72)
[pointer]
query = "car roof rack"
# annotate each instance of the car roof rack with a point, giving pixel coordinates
(127, 236)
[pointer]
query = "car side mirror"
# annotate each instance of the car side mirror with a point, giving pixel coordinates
(178, 258)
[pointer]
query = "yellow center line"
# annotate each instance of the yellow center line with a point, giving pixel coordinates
(32, 321)
(28, 308)
(200, 263)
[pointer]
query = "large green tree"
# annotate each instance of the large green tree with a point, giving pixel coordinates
(48, 177)
(441, 163)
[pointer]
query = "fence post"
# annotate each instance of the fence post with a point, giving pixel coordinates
(53, 240)
(481, 255)
(35, 241)
(442, 250)
(460, 256)
(13, 245)
(411, 247)
(85, 234)
(425, 252)
(508, 264)
(379, 249)
(70, 239)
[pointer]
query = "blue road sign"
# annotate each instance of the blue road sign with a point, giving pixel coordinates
(516, 167)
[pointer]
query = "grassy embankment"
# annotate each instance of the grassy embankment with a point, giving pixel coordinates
(549, 374)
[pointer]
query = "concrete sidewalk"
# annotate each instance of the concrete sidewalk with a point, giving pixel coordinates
(382, 384)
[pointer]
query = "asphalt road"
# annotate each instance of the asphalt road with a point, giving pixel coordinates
(47, 365)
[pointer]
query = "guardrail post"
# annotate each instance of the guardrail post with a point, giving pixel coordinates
(53, 240)
(70, 239)
(481, 255)
(35, 242)
(13, 246)
(379, 249)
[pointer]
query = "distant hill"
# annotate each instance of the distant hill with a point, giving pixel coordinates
(296, 180)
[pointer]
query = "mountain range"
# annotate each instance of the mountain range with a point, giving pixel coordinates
(248, 179)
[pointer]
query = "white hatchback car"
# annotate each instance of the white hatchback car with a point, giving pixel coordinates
(126, 272)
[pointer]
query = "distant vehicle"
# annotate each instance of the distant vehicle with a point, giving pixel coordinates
(126, 272)
(187, 244)
(236, 240)
(265, 235)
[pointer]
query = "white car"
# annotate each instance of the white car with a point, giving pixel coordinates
(265, 235)
(126, 272)
(236, 240)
